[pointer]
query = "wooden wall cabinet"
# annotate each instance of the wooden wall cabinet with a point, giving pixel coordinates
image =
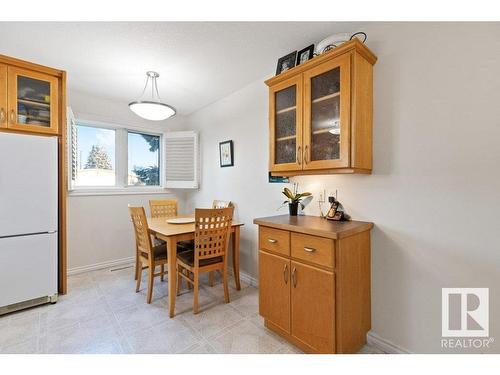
(33, 101)
(320, 114)
(314, 281)
(29, 100)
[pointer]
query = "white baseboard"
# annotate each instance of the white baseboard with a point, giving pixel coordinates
(98, 266)
(385, 345)
(245, 277)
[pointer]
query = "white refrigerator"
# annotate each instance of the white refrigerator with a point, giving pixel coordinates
(28, 220)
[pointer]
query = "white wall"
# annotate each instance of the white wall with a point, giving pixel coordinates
(99, 227)
(434, 192)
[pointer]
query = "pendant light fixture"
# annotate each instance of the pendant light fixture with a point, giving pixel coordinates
(151, 108)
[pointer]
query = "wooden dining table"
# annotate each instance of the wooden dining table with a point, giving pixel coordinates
(174, 233)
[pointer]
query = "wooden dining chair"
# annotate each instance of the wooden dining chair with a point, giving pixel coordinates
(163, 208)
(218, 204)
(158, 208)
(211, 238)
(167, 208)
(148, 255)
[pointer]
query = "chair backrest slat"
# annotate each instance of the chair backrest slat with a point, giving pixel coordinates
(163, 208)
(212, 228)
(142, 237)
(221, 204)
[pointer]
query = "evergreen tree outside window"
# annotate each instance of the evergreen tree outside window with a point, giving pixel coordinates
(95, 157)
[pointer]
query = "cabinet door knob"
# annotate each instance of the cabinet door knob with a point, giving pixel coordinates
(12, 116)
(2, 115)
(309, 249)
(271, 240)
(299, 156)
(294, 277)
(306, 160)
(285, 273)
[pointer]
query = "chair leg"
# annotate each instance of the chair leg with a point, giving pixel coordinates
(196, 286)
(190, 286)
(226, 289)
(137, 265)
(150, 283)
(138, 276)
(162, 269)
(211, 278)
(179, 280)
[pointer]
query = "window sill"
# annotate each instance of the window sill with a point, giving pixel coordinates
(82, 192)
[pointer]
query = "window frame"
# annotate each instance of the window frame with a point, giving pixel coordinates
(121, 162)
(160, 158)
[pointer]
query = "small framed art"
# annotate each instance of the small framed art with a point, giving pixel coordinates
(286, 62)
(226, 154)
(305, 54)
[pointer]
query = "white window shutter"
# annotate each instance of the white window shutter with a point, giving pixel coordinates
(181, 159)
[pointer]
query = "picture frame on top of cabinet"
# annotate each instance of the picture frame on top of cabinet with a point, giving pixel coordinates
(226, 154)
(305, 55)
(286, 62)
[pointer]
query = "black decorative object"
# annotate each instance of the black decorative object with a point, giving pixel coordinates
(286, 62)
(305, 54)
(226, 154)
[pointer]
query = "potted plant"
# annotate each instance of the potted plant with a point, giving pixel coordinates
(294, 199)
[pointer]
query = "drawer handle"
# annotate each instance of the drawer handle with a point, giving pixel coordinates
(285, 273)
(12, 116)
(309, 249)
(294, 277)
(272, 240)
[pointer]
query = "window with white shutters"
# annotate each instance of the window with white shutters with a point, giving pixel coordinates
(181, 159)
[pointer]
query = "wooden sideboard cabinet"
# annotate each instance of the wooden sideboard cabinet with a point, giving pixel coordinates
(314, 281)
(320, 114)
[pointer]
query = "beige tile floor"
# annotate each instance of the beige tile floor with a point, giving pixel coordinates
(103, 314)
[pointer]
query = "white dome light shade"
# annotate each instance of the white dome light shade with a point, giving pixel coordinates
(151, 108)
(154, 111)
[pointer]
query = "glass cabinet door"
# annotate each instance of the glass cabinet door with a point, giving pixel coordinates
(286, 125)
(326, 115)
(3, 96)
(33, 100)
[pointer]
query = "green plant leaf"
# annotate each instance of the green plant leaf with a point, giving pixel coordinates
(288, 193)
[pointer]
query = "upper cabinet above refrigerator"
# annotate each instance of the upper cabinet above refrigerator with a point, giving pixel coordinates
(320, 114)
(29, 100)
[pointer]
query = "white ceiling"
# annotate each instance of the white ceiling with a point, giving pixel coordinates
(198, 63)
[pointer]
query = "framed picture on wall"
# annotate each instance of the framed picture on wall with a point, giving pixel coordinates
(226, 154)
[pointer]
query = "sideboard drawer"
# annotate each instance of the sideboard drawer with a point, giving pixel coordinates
(276, 240)
(313, 249)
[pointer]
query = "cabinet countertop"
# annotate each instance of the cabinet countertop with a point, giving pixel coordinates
(315, 225)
